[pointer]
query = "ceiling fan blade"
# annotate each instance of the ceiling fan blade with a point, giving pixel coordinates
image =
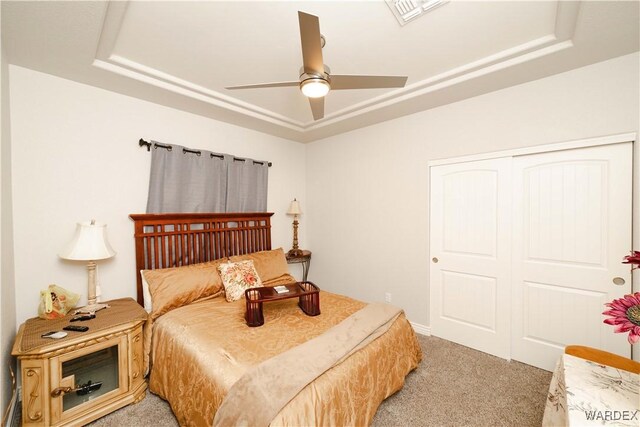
(261, 85)
(311, 44)
(366, 82)
(317, 107)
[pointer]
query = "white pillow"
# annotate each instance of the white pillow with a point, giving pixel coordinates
(146, 295)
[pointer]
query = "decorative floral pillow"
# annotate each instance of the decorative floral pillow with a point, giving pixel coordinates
(238, 277)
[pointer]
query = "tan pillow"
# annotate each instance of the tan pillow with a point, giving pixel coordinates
(174, 287)
(237, 277)
(286, 279)
(270, 265)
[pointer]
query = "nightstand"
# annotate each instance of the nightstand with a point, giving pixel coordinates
(304, 259)
(60, 377)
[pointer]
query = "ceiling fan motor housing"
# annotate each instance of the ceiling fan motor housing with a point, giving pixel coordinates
(326, 75)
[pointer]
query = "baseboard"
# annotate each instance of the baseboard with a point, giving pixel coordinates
(421, 329)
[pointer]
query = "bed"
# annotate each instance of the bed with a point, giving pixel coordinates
(294, 370)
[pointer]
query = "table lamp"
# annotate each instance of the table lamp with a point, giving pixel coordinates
(89, 244)
(294, 209)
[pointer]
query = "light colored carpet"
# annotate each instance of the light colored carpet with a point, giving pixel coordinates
(453, 386)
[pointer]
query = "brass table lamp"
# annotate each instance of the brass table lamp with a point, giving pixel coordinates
(294, 209)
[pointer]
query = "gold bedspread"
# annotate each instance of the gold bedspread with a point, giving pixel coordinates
(199, 351)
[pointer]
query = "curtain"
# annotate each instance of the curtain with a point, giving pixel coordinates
(185, 180)
(247, 186)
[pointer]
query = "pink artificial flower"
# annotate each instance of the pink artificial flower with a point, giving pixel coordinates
(625, 316)
(634, 258)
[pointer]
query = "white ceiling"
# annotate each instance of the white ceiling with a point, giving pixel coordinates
(183, 54)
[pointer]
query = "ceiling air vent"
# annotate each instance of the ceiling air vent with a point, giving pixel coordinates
(407, 10)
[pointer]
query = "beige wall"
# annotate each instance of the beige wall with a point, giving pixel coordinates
(76, 157)
(7, 288)
(368, 190)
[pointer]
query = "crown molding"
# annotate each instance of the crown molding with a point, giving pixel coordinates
(105, 59)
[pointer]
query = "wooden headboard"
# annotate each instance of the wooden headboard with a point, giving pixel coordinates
(177, 239)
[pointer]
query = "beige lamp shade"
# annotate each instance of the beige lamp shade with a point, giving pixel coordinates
(294, 208)
(89, 243)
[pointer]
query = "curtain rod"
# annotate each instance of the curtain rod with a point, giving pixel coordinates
(143, 143)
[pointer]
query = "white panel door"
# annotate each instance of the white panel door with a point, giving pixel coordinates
(571, 228)
(469, 274)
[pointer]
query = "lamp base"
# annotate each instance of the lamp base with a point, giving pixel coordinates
(294, 253)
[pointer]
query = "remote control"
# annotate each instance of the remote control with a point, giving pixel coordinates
(76, 328)
(83, 317)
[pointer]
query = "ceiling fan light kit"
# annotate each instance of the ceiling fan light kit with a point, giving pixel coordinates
(315, 87)
(315, 82)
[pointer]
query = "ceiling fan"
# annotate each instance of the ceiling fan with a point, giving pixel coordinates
(315, 77)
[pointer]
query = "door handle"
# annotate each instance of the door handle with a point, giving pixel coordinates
(435, 260)
(618, 281)
(80, 390)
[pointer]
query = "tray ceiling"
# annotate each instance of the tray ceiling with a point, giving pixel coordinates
(183, 54)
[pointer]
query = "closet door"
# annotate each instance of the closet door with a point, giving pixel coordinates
(470, 254)
(571, 228)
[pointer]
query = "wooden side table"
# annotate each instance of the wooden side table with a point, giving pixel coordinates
(60, 377)
(304, 259)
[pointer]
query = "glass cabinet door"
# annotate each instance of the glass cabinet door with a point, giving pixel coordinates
(94, 375)
(87, 377)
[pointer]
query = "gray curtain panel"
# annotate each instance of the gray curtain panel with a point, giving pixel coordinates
(186, 182)
(247, 186)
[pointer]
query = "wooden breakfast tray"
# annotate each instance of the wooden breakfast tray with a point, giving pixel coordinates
(308, 300)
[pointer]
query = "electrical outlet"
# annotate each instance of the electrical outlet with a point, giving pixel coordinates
(387, 297)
